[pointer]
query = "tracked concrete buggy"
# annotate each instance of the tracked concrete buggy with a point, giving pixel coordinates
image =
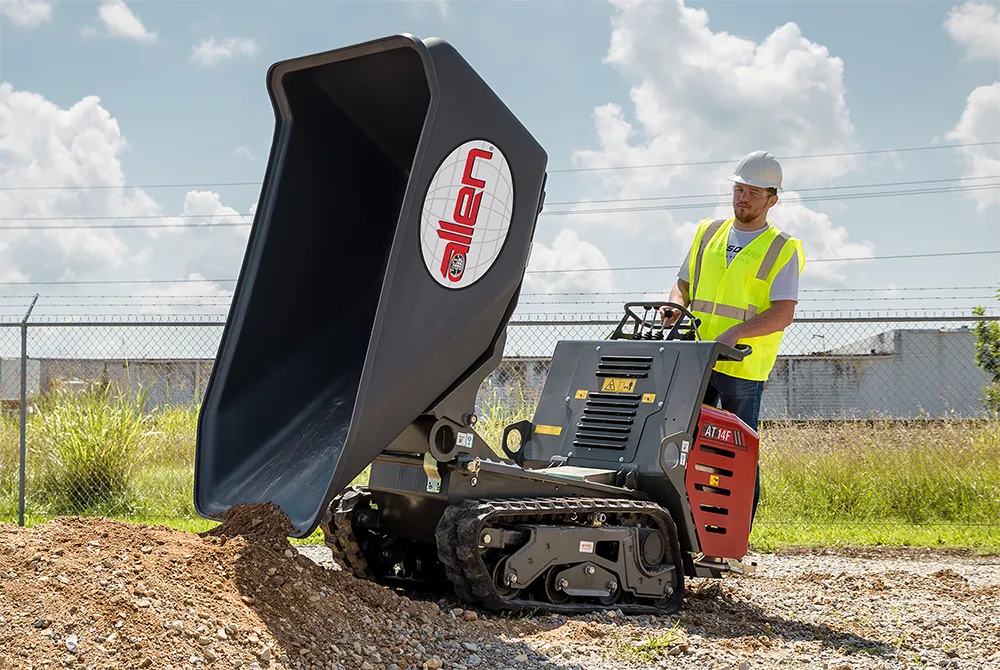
(385, 260)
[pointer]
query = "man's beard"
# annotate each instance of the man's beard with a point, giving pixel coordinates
(746, 216)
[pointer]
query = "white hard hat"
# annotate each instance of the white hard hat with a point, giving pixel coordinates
(758, 168)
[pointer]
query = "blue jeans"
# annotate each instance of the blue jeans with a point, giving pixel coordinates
(742, 398)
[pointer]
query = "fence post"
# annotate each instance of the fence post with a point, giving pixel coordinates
(24, 411)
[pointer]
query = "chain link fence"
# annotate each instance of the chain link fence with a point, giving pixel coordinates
(872, 426)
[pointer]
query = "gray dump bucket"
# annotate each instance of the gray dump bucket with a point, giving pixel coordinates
(386, 255)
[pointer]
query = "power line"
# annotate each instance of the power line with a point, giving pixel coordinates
(527, 272)
(783, 158)
(934, 147)
(815, 260)
(798, 190)
(615, 210)
(107, 187)
(818, 198)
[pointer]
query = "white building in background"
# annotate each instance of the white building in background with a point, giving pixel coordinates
(901, 373)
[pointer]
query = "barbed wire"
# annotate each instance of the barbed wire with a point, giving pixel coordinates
(519, 318)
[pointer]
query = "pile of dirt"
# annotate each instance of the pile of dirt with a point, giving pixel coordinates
(94, 593)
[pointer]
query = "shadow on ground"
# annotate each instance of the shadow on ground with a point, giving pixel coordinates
(712, 612)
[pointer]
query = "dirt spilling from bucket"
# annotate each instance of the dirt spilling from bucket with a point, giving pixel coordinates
(94, 593)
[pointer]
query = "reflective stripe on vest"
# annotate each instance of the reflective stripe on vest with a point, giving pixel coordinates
(737, 292)
(727, 311)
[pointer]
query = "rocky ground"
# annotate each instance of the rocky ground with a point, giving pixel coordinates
(88, 593)
(845, 610)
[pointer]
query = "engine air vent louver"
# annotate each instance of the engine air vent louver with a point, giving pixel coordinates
(629, 367)
(607, 420)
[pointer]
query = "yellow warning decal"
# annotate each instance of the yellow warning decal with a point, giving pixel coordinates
(581, 394)
(649, 397)
(713, 480)
(617, 385)
(548, 430)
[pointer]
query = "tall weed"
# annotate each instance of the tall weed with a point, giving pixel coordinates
(85, 448)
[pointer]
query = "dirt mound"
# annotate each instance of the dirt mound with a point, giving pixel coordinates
(93, 593)
(265, 521)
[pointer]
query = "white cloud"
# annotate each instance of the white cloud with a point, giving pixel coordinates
(976, 26)
(120, 21)
(26, 13)
(215, 252)
(43, 145)
(980, 122)
(699, 96)
(244, 152)
(568, 252)
(443, 6)
(820, 238)
(212, 52)
(79, 150)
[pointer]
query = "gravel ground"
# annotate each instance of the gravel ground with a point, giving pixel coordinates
(94, 593)
(850, 610)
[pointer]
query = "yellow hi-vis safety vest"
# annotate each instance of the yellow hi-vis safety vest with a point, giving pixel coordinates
(725, 296)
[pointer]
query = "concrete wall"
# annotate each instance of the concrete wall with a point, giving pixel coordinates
(10, 379)
(896, 374)
(911, 374)
(165, 382)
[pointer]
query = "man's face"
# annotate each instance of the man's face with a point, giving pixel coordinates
(749, 202)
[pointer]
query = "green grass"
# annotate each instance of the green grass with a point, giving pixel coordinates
(654, 646)
(919, 483)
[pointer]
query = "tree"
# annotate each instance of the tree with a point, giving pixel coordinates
(988, 357)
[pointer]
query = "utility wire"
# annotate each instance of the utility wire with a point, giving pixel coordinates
(557, 171)
(527, 272)
(797, 190)
(617, 210)
(815, 260)
(818, 198)
(783, 158)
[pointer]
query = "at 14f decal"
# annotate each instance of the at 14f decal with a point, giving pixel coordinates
(726, 435)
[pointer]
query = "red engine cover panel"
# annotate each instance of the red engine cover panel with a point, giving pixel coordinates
(720, 476)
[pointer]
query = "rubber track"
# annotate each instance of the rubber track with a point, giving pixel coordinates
(461, 526)
(339, 535)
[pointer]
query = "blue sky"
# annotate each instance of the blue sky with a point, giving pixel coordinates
(855, 76)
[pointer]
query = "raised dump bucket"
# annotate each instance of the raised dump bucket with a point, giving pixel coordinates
(387, 251)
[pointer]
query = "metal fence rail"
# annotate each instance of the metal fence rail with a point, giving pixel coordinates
(891, 405)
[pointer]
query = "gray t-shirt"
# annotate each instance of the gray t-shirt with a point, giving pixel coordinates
(786, 282)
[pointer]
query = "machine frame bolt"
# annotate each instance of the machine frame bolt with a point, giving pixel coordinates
(589, 570)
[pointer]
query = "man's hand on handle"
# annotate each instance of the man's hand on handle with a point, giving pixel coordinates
(728, 337)
(668, 316)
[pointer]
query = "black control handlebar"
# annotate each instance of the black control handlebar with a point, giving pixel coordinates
(645, 329)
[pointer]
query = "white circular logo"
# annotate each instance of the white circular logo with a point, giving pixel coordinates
(466, 214)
